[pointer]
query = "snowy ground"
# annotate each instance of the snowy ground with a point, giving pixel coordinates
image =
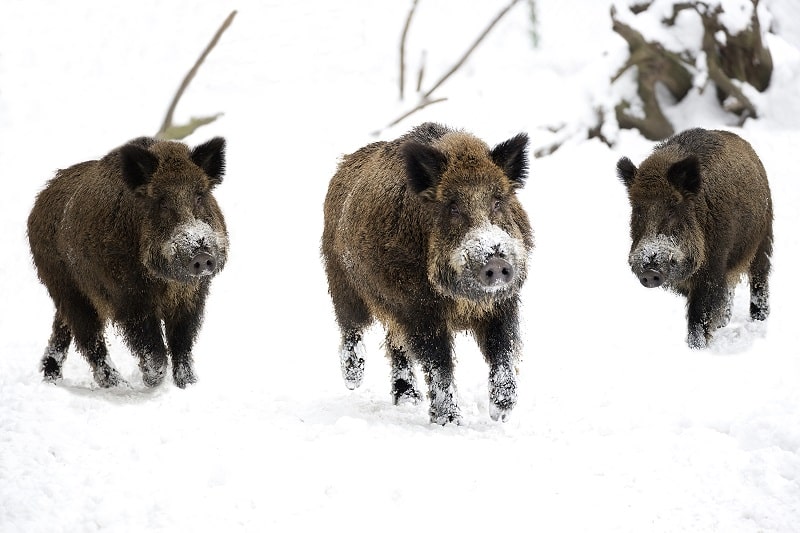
(620, 427)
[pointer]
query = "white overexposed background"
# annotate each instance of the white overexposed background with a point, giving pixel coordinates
(620, 427)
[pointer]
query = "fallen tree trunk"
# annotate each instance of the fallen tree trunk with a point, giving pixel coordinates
(654, 64)
(733, 59)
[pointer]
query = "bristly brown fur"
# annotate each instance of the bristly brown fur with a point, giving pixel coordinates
(706, 192)
(102, 235)
(394, 214)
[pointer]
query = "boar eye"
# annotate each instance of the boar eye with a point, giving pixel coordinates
(496, 205)
(672, 210)
(454, 211)
(198, 199)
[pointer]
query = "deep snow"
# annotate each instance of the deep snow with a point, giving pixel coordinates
(619, 426)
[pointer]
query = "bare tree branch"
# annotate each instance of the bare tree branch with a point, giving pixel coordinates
(421, 73)
(471, 49)
(191, 74)
(181, 131)
(403, 49)
(423, 104)
(425, 99)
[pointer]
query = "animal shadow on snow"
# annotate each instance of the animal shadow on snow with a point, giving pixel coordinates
(357, 410)
(134, 391)
(133, 394)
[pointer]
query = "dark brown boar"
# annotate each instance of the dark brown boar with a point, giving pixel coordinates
(701, 218)
(426, 234)
(133, 239)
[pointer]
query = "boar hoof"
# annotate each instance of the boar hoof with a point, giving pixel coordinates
(496, 271)
(153, 378)
(502, 393)
(153, 370)
(758, 313)
(759, 307)
(405, 392)
(452, 415)
(106, 376)
(651, 278)
(352, 360)
(353, 372)
(51, 369)
(442, 393)
(697, 338)
(183, 374)
(500, 411)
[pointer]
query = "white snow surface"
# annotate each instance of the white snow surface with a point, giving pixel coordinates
(619, 426)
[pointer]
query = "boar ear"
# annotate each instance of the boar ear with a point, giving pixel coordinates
(626, 170)
(138, 165)
(210, 156)
(424, 165)
(511, 156)
(685, 175)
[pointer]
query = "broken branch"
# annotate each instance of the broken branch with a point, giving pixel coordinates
(167, 125)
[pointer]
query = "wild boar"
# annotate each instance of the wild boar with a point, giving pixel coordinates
(134, 239)
(425, 233)
(701, 218)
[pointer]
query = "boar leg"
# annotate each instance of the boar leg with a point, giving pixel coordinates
(351, 357)
(87, 330)
(759, 281)
(435, 350)
(181, 331)
(404, 383)
(498, 338)
(726, 312)
(143, 336)
(707, 302)
(56, 350)
(353, 317)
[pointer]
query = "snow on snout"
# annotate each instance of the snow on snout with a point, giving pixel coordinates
(192, 236)
(482, 242)
(655, 250)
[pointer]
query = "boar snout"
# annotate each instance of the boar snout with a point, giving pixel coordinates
(203, 264)
(651, 278)
(194, 250)
(496, 272)
(659, 261)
